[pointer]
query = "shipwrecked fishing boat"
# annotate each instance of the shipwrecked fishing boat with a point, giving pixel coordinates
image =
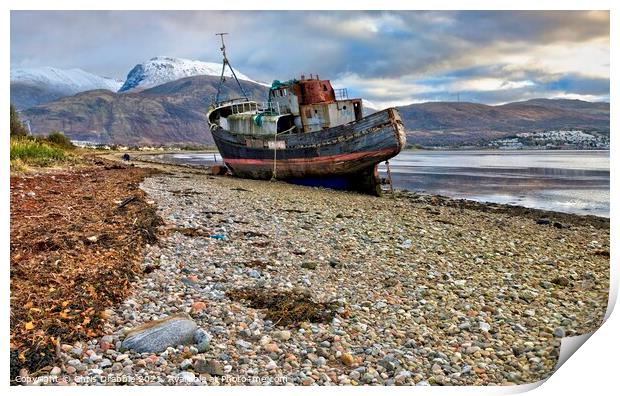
(307, 133)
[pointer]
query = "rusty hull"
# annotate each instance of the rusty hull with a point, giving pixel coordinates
(347, 154)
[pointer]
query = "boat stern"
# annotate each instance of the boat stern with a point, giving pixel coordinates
(399, 128)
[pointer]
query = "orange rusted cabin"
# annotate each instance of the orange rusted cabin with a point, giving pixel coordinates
(314, 104)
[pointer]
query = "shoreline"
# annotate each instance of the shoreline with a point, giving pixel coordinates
(419, 289)
(426, 149)
(562, 218)
(567, 217)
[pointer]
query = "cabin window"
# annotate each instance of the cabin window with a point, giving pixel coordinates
(344, 107)
(308, 113)
(316, 112)
(324, 87)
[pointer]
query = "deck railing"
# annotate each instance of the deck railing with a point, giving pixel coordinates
(256, 107)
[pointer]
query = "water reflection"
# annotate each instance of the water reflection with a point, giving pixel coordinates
(566, 181)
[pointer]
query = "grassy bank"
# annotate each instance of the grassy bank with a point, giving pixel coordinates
(35, 151)
(47, 151)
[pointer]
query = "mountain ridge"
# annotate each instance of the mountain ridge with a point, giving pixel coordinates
(169, 114)
(453, 123)
(163, 69)
(174, 113)
(36, 85)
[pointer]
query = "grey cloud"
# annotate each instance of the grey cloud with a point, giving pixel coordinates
(268, 45)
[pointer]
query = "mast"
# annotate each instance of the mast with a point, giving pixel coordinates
(225, 63)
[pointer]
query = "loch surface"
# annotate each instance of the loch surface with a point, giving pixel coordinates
(568, 181)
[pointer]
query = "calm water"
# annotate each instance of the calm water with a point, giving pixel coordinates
(564, 181)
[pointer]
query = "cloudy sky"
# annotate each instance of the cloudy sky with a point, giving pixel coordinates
(388, 58)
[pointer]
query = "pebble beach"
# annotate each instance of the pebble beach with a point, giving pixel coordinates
(409, 290)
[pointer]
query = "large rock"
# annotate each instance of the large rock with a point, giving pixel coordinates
(202, 340)
(157, 335)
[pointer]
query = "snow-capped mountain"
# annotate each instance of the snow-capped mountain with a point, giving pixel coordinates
(163, 69)
(38, 85)
(70, 81)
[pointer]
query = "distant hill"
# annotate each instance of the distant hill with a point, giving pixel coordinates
(33, 86)
(566, 104)
(456, 123)
(172, 113)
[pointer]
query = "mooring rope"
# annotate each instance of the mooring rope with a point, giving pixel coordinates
(389, 174)
(275, 150)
